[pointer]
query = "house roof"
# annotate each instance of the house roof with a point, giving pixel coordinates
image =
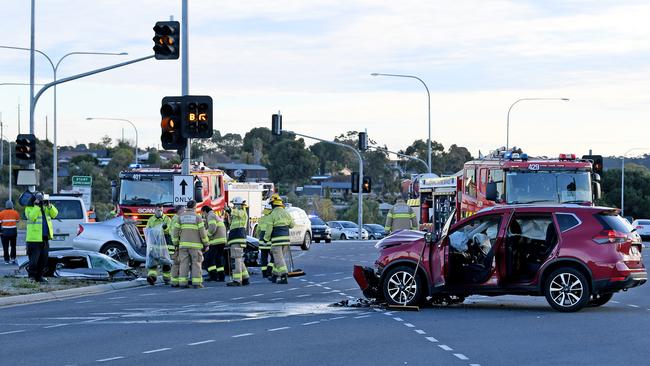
(235, 166)
(336, 185)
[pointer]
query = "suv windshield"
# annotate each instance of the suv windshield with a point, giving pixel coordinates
(146, 192)
(548, 186)
(349, 225)
(316, 221)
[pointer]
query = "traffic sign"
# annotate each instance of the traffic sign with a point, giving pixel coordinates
(83, 184)
(82, 180)
(183, 189)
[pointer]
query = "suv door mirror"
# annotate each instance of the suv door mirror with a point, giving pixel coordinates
(429, 238)
(114, 191)
(491, 191)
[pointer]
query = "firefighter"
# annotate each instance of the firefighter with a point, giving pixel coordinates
(160, 219)
(401, 217)
(237, 242)
(217, 238)
(280, 222)
(192, 238)
(175, 225)
(265, 247)
(39, 232)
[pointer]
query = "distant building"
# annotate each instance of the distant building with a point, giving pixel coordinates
(245, 172)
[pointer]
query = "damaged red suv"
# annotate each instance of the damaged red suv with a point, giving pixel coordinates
(573, 255)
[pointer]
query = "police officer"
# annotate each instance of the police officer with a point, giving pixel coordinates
(280, 224)
(159, 219)
(263, 226)
(237, 242)
(192, 239)
(173, 252)
(39, 232)
(401, 217)
(217, 240)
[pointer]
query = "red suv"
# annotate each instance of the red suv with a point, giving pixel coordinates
(573, 255)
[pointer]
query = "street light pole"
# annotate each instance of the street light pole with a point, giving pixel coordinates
(9, 177)
(402, 156)
(513, 104)
(55, 68)
(123, 120)
(623, 176)
(428, 104)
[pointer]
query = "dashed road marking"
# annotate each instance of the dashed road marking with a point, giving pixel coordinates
(431, 339)
(320, 275)
(237, 298)
(55, 326)
(361, 316)
(399, 319)
(419, 331)
(634, 306)
(258, 295)
(117, 297)
(278, 292)
(409, 325)
(304, 295)
(84, 301)
(311, 323)
(461, 356)
(276, 329)
(293, 289)
(248, 302)
(157, 350)
(615, 302)
(110, 359)
(445, 347)
(13, 331)
(327, 288)
(177, 290)
(336, 318)
(474, 364)
(242, 335)
(277, 298)
(201, 342)
(149, 294)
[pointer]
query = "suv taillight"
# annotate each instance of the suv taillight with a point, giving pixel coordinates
(610, 236)
(80, 230)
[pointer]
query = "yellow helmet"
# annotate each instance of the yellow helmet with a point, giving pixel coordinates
(276, 200)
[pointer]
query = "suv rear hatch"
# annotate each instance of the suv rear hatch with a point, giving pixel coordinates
(618, 231)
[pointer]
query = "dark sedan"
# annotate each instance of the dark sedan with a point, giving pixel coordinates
(320, 230)
(375, 231)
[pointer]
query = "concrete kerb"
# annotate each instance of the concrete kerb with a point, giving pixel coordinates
(72, 292)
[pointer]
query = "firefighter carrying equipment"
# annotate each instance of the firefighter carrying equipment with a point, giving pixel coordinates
(401, 217)
(157, 254)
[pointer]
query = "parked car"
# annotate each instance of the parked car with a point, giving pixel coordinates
(301, 233)
(344, 230)
(83, 264)
(573, 255)
(72, 212)
(375, 231)
(320, 230)
(642, 228)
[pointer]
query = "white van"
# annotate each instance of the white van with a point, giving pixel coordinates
(72, 212)
(300, 234)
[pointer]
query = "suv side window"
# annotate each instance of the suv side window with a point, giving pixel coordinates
(481, 232)
(566, 221)
(68, 209)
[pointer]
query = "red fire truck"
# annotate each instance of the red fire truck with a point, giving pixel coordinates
(506, 177)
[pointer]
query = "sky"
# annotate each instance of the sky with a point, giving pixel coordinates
(312, 60)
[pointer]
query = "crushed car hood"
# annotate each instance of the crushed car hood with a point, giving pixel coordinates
(401, 237)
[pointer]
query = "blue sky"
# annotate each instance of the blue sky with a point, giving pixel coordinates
(313, 59)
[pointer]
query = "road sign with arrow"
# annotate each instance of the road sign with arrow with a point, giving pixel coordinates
(183, 189)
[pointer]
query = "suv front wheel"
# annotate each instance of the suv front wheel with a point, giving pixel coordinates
(567, 290)
(400, 288)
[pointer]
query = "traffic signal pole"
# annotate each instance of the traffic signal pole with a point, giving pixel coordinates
(32, 102)
(360, 194)
(185, 83)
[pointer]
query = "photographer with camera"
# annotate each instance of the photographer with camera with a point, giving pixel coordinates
(39, 232)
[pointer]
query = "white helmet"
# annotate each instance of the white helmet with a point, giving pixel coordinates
(268, 206)
(237, 201)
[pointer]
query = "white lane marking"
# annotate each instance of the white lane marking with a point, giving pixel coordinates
(351, 297)
(117, 297)
(336, 318)
(320, 275)
(293, 289)
(304, 295)
(150, 294)
(303, 280)
(389, 313)
(431, 339)
(213, 302)
(342, 293)
(201, 342)
(409, 325)
(55, 326)
(337, 273)
(242, 335)
(248, 302)
(615, 302)
(188, 306)
(109, 359)
(278, 292)
(157, 350)
(474, 364)
(336, 280)
(347, 278)
(362, 316)
(327, 288)
(257, 295)
(445, 347)
(351, 289)
(13, 331)
(177, 290)
(634, 306)
(419, 331)
(276, 329)
(277, 298)
(399, 319)
(237, 298)
(311, 323)
(84, 302)
(461, 356)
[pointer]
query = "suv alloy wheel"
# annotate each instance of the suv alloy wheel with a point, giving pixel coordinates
(567, 290)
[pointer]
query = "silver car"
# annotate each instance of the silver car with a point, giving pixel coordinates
(117, 238)
(344, 230)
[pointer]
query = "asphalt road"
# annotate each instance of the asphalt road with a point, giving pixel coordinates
(292, 324)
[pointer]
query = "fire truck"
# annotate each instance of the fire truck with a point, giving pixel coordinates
(506, 177)
(142, 189)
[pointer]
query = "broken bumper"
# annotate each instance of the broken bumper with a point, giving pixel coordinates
(368, 282)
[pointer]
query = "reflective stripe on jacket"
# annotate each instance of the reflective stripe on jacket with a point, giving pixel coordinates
(238, 218)
(280, 235)
(154, 221)
(265, 224)
(35, 222)
(401, 217)
(9, 220)
(237, 237)
(189, 231)
(279, 217)
(216, 229)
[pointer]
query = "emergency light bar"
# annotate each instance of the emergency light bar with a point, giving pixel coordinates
(567, 156)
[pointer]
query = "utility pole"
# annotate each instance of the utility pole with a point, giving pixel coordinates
(185, 83)
(31, 80)
(18, 119)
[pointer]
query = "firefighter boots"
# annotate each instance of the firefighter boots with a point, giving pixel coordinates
(245, 282)
(283, 280)
(151, 280)
(233, 284)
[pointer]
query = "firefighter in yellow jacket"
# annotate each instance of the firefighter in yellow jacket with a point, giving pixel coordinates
(263, 226)
(237, 242)
(160, 219)
(217, 238)
(192, 238)
(280, 223)
(401, 217)
(173, 252)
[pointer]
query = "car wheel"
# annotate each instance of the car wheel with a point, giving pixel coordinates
(116, 251)
(567, 290)
(328, 240)
(306, 242)
(400, 288)
(372, 237)
(343, 237)
(600, 300)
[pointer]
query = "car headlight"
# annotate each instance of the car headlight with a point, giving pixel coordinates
(328, 231)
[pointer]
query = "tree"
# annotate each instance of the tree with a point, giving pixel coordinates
(121, 159)
(455, 158)
(230, 144)
(371, 214)
(637, 190)
(290, 162)
(324, 207)
(332, 158)
(261, 134)
(419, 149)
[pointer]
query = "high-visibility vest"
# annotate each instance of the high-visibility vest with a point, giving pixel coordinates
(216, 229)
(35, 222)
(190, 231)
(281, 223)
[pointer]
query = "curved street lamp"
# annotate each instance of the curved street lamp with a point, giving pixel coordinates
(123, 120)
(513, 104)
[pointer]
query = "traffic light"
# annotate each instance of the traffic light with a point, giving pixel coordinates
(170, 123)
(363, 141)
(276, 124)
(355, 182)
(197, 116)
(597, 163)
(366, 184)
(167, 40)
(26, 148)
